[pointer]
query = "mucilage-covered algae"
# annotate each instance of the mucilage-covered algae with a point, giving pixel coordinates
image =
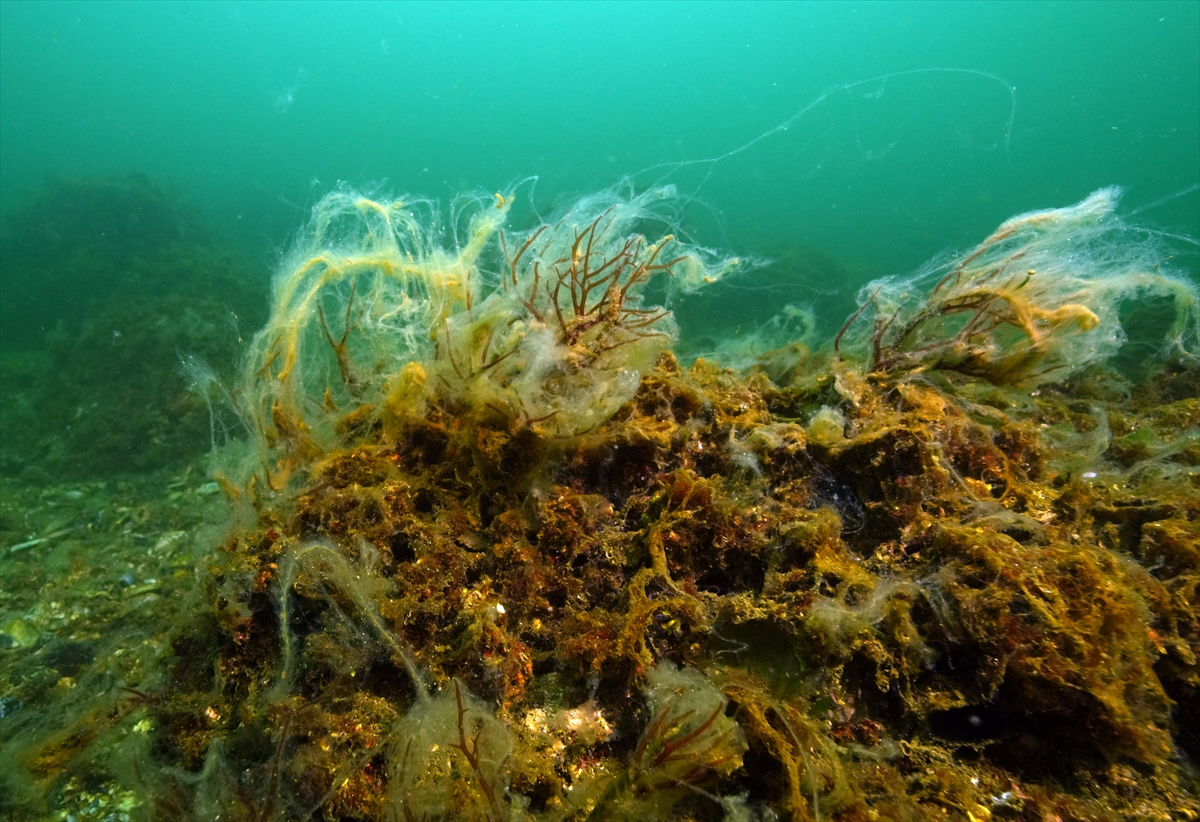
(373, 316)
(501, 556)
(1036, 301)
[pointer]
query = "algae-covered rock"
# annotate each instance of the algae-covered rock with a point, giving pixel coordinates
(499, 555)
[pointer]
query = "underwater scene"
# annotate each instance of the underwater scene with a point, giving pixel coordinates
(599, 411)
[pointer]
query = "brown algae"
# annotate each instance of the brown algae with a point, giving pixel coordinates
(499, 555)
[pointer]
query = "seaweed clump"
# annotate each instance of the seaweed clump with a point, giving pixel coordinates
(1037, 300)
(500, 556)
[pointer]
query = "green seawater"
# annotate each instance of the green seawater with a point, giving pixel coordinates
(158, 159)
(253, 110)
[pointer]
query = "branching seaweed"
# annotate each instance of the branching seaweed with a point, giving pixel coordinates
(682, 756)
(469, 747)
(1037, 300)
(553, 334)
(434, 741)
(689, 741)
(596, 285)
(563, 340)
